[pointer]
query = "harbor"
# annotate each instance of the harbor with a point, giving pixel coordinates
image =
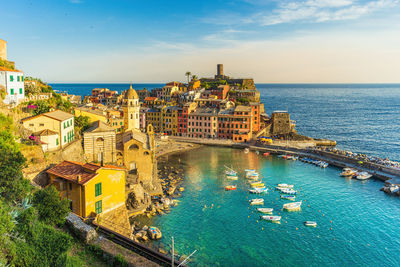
(210, 218)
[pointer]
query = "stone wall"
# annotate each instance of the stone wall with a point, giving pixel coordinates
(281, 123)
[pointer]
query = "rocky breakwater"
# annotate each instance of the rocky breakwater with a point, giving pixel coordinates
(392, 189)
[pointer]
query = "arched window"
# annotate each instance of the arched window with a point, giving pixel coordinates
(134, 147)
(146, 153)
(131, 116)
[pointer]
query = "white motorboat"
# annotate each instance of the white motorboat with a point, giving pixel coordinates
(285, 185)
(348, 172)
(258, 190)
(256, 201)
(271, 218)
(246, 150)
(363, 176)
(288, 191)
(310, 223)
(232, 177)
(292, 206)
(265, 210)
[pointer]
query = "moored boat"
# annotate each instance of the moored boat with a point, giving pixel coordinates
(292, 206)
(310, 223)
(256, 201)
(265, 210)
(285, 185)
(230, 187)
(347, 172)
(230, 173)
(232, 177)
(289, 197)
(258, 190)
(288, 191)
(271, 218)
(363, 176)
(246, 150)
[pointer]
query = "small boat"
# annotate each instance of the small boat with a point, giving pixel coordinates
(249, 170)
(363, 176)
(256, 201)
(292, 206)
(266, 154)
(271, 218)
(230, 173)
(348, 172)
(230, 187)
(259, 186)
(256, 184)
(289, 197)
(285, 185)
(310, 223)
(181, 189)
(265, 210)
(231, 177)
(246, 150)
(289, 191)
(258, 190)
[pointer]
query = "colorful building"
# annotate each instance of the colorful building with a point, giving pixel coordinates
(183, 116)
(242, 124)
(255, 112)
(56, 121)
(221, 92)
(93, 114)
(13, 82)
(170, 120)
(154, 118)
(92, 189)
(202, 123)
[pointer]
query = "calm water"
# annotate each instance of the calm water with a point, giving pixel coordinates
(357, 224)
(362, 118)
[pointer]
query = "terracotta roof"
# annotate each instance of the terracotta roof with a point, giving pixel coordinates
(71, 170)
(242, 108)
(7, 69)
(150, 98)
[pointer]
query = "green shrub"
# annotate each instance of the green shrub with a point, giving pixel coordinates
(51, 208)
(119, 260)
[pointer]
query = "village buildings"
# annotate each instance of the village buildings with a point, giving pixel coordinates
(100, 143)
(13, 82)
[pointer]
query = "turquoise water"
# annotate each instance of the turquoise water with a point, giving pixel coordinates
(357, 224)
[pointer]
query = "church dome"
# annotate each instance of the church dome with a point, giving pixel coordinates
(131, 94)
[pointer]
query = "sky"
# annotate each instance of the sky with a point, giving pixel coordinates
(272, 41)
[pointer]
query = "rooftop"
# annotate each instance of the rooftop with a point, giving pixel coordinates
(7, 69)
(99, 126)
(242, 108)
(71, 170)
(57, 115)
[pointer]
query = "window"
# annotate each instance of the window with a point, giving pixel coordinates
(70, 186)
(98, 207)
(17, 78)
(64, 125)
(57, 141)
(97, 189)
(41, 124)
(11, 78)
(12, 91)
(22, 78)
(31, 124)
(20, 91)
(65, 139)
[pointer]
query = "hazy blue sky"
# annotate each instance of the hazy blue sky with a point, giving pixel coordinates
(158, 41)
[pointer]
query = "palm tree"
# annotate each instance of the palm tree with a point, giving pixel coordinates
(188, 74)
(194, 77)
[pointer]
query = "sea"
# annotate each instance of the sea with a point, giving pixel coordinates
(358, 225)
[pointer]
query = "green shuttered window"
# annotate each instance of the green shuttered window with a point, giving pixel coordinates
(98, 207)
(97, 189)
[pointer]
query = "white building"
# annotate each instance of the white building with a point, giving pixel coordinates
(60, 122)
(13, 82)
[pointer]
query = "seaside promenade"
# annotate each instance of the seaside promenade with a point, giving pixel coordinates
(306, 149)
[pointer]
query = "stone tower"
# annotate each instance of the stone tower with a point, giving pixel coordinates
(3, 49)
(220, 69)
(131, 109)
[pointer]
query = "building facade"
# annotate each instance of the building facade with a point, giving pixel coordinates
(100, 143)
(92, 189)
(13, 82)
(131, 108)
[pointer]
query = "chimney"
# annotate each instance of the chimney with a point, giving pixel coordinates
(79, 178)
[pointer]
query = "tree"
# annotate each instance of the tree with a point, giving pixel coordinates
(194, 77)
(51, 208)
(82, 123)
(13, 186)
(188, 74)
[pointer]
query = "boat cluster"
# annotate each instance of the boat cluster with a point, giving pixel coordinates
(288, 157)
(318, 163)
(257, 186)
(353, 173)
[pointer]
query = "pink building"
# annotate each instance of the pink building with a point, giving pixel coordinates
(202, 123)
(142, 118)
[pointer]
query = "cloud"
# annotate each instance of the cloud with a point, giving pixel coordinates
(322, 10)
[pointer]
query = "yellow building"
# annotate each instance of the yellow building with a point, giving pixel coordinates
(154, 118)
(170, 120)
(92, 188)
(94, 115)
